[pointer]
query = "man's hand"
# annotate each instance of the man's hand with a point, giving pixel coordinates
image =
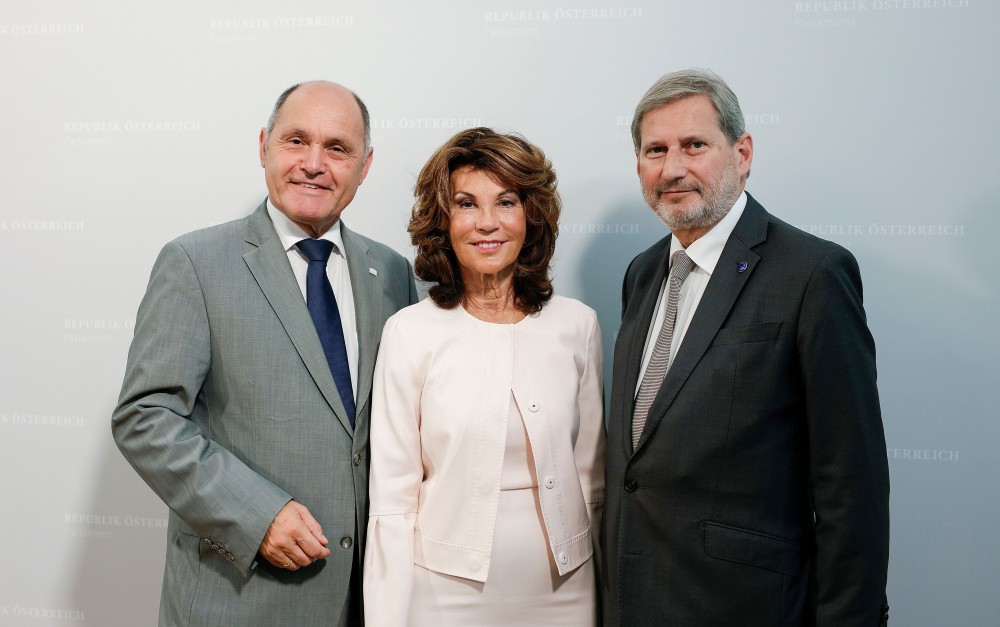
(294, 538)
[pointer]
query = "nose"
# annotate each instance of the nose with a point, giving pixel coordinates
(313, 162)
(674, 166)
(487, 220)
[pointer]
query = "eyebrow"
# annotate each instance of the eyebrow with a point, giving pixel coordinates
(682, 140)
(300, 132)
(695, 137)
(471, 195)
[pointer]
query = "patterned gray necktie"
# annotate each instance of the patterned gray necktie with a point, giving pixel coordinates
(680, 267)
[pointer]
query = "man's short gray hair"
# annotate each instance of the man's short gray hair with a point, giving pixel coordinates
(677, 85)
(280, 102)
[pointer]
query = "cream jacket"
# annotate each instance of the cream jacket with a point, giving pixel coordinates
(440, 403)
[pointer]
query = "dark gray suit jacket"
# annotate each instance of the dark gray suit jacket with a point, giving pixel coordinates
(228, 410)
(758, 494)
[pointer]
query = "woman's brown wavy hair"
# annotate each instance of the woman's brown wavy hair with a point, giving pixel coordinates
(513, 162)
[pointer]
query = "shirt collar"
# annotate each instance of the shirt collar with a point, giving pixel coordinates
(706, 250)
(291, 234)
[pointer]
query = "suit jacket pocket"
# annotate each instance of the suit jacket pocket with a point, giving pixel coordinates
(744, 546)
(766, 332)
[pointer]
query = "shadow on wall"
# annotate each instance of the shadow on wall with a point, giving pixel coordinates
(933, 314)
(604, 257)
(115, 577)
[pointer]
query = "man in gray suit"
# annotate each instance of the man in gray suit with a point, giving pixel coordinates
(747, 480)
(231, 408)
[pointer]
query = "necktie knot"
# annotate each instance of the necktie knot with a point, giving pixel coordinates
(316, 249)
(681, 265)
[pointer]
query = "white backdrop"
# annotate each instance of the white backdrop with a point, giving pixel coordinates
(126, 124)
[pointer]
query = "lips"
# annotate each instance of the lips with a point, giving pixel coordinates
(487, 245)
(305, 185)
(675, 190)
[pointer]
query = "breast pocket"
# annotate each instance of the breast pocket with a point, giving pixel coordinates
(282, 402)
(748, 334)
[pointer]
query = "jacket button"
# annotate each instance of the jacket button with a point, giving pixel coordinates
(631, 485)
(356, 459)
(563, 558)
(533, 406)
(346, 542)
(550, 482)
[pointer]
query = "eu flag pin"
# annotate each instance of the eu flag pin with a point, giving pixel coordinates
(742, 267)
(374, 272)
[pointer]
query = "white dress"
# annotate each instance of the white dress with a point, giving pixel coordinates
(487, 469)
(523, 586)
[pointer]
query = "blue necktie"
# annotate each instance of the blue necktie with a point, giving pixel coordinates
(323, 308)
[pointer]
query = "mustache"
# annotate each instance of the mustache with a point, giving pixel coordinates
(661, 188)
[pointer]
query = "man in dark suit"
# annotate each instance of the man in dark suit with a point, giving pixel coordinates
(747, 480)
(246, 396)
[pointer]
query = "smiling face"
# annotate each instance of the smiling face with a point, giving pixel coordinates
(690, 174)
(314, 158)
(487, 227)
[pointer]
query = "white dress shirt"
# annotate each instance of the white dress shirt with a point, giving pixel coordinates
(336, 270)
(704, 252)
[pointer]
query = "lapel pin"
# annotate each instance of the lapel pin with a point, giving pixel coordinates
(373, 271)
(742, 267)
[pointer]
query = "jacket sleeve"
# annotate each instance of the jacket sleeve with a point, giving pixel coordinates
(395, 479)
(848, 465)
(208, 487)
(591, 442)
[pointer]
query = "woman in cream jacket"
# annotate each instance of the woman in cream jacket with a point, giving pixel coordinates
(487, 437)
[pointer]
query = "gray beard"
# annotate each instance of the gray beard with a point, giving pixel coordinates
(716, 202)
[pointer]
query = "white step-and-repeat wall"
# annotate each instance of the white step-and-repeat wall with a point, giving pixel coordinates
(126, 124)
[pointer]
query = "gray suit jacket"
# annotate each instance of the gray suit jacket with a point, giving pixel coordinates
(228, 410)
(758, 494)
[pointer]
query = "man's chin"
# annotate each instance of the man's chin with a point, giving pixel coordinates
(310, 212)
(680, 218)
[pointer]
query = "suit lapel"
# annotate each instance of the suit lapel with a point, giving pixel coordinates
(721, 293)
(269, 265)
(366, 272)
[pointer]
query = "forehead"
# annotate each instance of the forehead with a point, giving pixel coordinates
(692, 114)
(466, 177)
(321, 109)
